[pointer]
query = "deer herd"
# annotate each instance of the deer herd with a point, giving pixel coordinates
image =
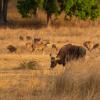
(66, 53)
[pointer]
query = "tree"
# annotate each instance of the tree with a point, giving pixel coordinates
(80, 8)
(83, 9)
(0, 5)
(5, 6)
(0, 10)
(3, 11)
(28, 8)
(51, 7)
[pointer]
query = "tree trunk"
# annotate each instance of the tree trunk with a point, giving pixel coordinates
(5, 6)
(3, 11)
(0, 6)
(0, 10)
(48, 18)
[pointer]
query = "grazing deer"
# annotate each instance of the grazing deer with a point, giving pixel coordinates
(21, 38)
(29, 46)
(37, 45)
(90, 45)
(12, 49)
(28, 38)
(36, 40)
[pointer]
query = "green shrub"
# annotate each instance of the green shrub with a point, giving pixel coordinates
(27, 8)
(83, 8)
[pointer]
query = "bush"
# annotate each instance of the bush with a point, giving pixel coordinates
(80, 8)
(83, 8)
(27, 8)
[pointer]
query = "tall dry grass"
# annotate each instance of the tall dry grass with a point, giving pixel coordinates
(80, 81)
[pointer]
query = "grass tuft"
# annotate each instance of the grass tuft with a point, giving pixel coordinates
(28, 65)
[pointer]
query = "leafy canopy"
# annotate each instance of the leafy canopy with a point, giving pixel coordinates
(82, 9)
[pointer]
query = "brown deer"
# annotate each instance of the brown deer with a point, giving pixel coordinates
(37, 45)
(90, 45)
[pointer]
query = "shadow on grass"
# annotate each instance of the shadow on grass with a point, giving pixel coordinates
(36, 24)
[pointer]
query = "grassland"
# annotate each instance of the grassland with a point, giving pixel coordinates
(27, 84)
(79, 80)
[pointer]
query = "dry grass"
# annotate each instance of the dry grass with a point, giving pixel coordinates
(80, 81)
(77, 81)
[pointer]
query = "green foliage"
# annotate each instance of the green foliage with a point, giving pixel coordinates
(29, 7)
(51, 6)
(80, 8)
(83, 8)
(68, 5)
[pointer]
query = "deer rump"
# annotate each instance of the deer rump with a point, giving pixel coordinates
(67, 53)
